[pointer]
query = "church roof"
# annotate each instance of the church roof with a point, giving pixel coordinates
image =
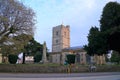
(74, 48)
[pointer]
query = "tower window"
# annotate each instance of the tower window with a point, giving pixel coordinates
(56, 33)
(56, 41)
(65, 34)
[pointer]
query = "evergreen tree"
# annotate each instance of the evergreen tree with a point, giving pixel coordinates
(110, 16)
(33, 47)
(115, 57)
(110, 25)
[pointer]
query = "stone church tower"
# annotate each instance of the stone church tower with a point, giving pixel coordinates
(60, 38)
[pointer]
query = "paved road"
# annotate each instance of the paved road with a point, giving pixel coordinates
(72, 76)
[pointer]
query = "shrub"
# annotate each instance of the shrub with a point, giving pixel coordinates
(70, 58)
(37, 57)
(12, 58)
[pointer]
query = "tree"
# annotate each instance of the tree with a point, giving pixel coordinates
(110, 16)
(114, 41)
(16, 25)
(100, 41)
(93, 46)
(37, 57)
(115, 57)
(110, 22)
(19, 42)
(33, 47)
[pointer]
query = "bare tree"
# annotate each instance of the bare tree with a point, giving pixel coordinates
(16, 24)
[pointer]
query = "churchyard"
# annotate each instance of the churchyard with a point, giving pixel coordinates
(35, 58)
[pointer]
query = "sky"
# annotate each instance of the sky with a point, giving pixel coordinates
(81, 15)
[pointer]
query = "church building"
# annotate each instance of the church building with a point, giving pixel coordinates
(61, 47)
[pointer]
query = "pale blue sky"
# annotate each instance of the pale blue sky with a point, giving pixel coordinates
(79, 14)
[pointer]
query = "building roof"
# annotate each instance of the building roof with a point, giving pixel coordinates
(75, 48)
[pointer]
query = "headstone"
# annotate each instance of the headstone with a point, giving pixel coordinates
(0, 56)
(92, 59)
(29, 59)
(44, 57)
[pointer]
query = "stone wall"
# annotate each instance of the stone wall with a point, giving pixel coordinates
(38, 68)
(55, 57)
(99, 59)
(60, 57)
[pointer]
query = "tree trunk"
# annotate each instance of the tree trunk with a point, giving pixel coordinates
(23, 58)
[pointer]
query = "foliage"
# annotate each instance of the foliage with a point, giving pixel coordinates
(114, 41)
(96, 42)
(37, 57)
(115, 57)
(33, 47)
(19, 42)
(92, 38)
(16, 25)
(100, 40)
(110, 16)
(110, 22)
(12, 58)
(70, 58)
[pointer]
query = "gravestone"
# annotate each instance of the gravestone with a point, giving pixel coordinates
(0, 56)
(44, 57)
